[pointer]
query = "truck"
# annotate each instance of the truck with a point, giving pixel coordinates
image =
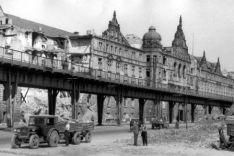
(159, 123)
(50, 129)
(230, 128)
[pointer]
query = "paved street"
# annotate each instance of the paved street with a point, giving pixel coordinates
(106, 141)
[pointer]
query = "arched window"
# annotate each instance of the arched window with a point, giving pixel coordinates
(164, 74)
(175, 69)
(164, 60)
(179, 71)
(184, 71)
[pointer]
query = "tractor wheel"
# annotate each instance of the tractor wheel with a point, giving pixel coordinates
(76, 138)
(34, 141)
(53, 139)
(15, 142)
(88, 137)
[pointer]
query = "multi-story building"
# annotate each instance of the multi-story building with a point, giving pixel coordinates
(110, 52)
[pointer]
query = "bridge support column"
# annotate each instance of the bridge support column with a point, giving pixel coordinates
(141, 110)
(171, 109)
(205, 109)
(193, 107)
(75, 96)
(210, 109)
(52, 94)
(119, 101)
(100, 103)
(156, 108)
(8, 99)
(10, 92)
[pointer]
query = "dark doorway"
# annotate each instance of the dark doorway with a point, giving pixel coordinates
(181, 115)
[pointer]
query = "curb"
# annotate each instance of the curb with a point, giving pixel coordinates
(20, 153)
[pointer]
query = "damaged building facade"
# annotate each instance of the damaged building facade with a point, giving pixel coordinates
(43, 45)
(112, 56)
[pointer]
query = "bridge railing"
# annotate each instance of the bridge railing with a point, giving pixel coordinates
(13, 56)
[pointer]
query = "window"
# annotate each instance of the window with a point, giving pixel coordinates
(107, 47)
(140, 55)
(133, 71)
(26, 35)
(100, 45)
(174, 70)
(148, 58)
(140, 69)
(179, 68)
(111, 48)
(6, 20)
(125, 67)
(155, 58)
(164, 74)
(109, 63)
(140, 72)
(184, 72)
(164, 60)
(133, 54)
(115, 49)
(99, 61)
(147, 73)
(117, 65)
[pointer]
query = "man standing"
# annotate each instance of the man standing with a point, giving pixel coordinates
(67, 133)
(135, 130)
(144, 135)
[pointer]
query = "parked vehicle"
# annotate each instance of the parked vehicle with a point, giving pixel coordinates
(159, 123)
(48, 129)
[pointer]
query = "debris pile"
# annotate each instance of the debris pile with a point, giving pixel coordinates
(202, 134)
(224, 143)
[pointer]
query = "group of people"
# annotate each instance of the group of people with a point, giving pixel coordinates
(136, 130)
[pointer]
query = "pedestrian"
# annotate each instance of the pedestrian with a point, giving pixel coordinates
(144, 135)
(67, 133)
(135, 130)
(177, 122)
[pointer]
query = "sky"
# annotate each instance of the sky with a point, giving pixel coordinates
(208, 24)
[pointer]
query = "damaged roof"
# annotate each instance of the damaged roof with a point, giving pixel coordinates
(34, 26)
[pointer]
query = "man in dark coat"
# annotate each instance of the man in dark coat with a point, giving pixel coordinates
(144, 135)
(67, 133)
(135, 130)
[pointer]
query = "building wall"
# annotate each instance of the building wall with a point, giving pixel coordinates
(116, 58)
